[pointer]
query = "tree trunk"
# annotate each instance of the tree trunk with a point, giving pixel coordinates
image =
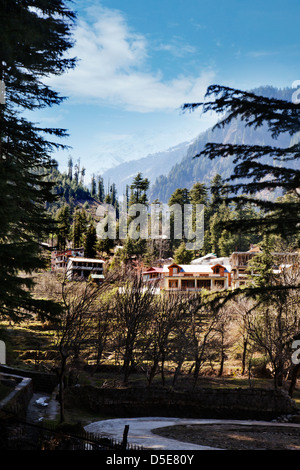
(245, 344)
(221, 364)
(196, 371)
(153, 371)
(278, 379)
(177, 372)
(61, 387)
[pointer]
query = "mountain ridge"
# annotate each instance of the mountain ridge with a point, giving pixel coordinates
(176, 167)
(150, 166)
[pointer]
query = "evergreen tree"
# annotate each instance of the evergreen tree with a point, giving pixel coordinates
(100, 192)
(113, 192)
(82, 176)
(217, 190)
(254, 174)
(179, 197)
(182, 255)
(77, 171)
(138, 190)
(113, 200)
(127, 194)
(79, 227)
(259, 170)
(63, 227)
(34, 39)
(218, 236)
(93, 186)
(138, 195)
(70, 168)
(198, 194)
(90, 242)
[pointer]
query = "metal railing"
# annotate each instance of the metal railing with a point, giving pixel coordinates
(17, 434)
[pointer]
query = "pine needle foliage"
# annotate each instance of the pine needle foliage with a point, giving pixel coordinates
(34, 37)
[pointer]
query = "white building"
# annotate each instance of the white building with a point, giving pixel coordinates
(84, 268)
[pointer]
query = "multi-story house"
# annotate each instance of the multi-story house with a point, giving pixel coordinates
(239, 266)
(187, 277)
(213, 273)
(59, 259)
(153, 274)
(80, 268)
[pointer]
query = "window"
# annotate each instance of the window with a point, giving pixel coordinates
(203, 284)
(188, 284)
(173, 284)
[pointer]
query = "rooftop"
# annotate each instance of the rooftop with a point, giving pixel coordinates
(86, 260)
(196, 268)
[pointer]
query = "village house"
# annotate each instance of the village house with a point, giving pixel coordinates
(153, 274)
(239, 266)
(80, 268)
(214, 273)
(59, 259)
(190, 277)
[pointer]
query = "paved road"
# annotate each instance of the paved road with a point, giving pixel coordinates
(140, 432)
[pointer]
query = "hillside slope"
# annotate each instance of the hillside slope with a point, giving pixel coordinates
(191, 170)
(150, 166)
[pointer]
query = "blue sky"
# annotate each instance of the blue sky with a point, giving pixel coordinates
(140, 61)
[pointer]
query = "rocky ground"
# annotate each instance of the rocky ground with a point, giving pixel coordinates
(236, 436)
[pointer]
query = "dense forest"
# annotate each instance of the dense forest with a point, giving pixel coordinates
(75, 213)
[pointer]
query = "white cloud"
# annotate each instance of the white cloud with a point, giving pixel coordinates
(177, 47)
(258, 54)
(114, 68)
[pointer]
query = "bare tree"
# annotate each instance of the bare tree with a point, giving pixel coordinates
(133, 309)
(103, 326)
(241, 308)
(275, 322)
(79, 300)
(223, 338)
(202, 328)
(179, 347)
(166, 315)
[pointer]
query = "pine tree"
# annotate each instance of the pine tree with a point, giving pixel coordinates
(63, 227)
(34, 39)
(182, 255)
(82, 176)
(100, 192)
(138, 190)
(93, 186)
(70, 168)
(198, 194)
(259, 168)
(79, 227)
(180, 197)
(90, 242)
